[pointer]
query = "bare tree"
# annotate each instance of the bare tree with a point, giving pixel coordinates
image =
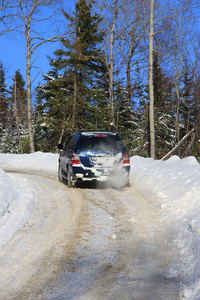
(109, 13)
(132, 45)
(151, 86)
(7, 13)
(33, 14)
(162, 13)
(183, 39)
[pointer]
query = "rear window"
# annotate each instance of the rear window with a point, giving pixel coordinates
(100, 143)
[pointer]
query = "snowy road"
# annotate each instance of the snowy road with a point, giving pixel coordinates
(90, 243)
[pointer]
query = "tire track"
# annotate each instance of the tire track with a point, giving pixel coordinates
(37, 253)
(131, 261)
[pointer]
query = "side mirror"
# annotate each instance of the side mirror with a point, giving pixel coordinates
(60, 146)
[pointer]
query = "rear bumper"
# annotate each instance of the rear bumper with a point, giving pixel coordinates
(100, 174)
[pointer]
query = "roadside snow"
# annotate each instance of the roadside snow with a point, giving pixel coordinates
(38, 161)
(16, 205)
(173, 185)
(16, 195)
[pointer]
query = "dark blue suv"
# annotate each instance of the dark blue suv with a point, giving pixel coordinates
(94, 156)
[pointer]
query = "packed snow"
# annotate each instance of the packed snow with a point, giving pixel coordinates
(174, 185)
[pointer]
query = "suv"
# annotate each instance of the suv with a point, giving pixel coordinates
(94, 156)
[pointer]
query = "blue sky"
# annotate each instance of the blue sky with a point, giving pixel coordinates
(12, 54)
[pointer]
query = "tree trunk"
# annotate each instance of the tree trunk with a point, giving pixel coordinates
(151, 87)
(74, 101)
(128, 76)
(28, 76)
(177, 76)
(61, 136)
(111, 121)
(111, 67)
(16, 117)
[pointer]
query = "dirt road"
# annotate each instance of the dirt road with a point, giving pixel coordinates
(89, 243)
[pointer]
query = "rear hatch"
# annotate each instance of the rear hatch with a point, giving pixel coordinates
(100, 159)
(100, 151)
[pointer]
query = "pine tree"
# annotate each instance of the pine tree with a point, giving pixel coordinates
(122, 113)
(195, 151)
(18, 124)
(89, 61)
(3, 98)
(8, 133)
(187, 105)
(57, 99)
(76, 88)
(42, 133)
(163, 110)
(189, 112)
(4, 108)
(141, 133)
(18, 87)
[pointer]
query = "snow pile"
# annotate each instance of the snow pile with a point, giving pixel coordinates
(16, 205)
(17, 196)
(174, 181)
(38, 161)
(174, 185)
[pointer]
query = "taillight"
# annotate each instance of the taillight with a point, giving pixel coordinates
(75, 160)
(126, 159)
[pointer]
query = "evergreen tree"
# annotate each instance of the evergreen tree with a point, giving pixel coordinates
(196, 148)
(187, 105)
(122, 114)
(3, 98)
(141, 133)
(4, 108)
(88, 62)
(18, 90)
(16, 125)
(57, 95)
(189, 112)
(42, 133)
(76, 88)
(8, 133)
(163, 110)
(100, 107)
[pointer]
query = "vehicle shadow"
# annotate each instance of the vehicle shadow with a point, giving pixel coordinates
(92, 185)
(101, 185)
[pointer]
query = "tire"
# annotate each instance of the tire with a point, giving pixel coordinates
(60, 177)
(69, 177)
(128, 184)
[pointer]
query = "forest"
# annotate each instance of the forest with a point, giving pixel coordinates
(128, 66)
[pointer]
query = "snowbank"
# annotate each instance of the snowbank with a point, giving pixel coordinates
(38, 161)
(17, 196)
(175, 185)
(16, 205)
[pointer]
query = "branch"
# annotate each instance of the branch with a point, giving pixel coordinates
(53, 39)
(164, 18)
(178, 145)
